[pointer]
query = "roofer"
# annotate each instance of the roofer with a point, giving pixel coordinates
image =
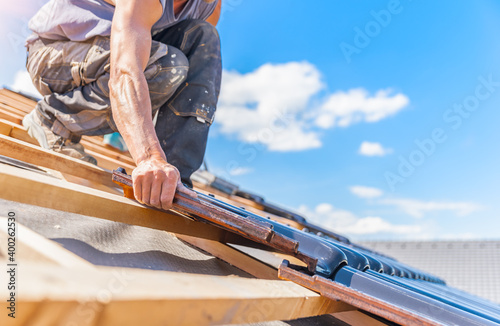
(109, 65)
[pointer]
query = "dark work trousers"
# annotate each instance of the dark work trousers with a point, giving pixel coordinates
(183, 75)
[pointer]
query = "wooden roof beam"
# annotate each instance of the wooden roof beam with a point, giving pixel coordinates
(121, 296)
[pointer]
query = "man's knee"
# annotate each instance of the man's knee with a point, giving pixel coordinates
(174, 67)
(174, 58)
(171, 71)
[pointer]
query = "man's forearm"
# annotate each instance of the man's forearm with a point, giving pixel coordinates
(129, 93)
(131, 108)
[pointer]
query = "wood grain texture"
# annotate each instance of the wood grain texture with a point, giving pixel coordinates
(36, 155)
(119, 296)
(105, 158)
(45, 191)
(12, 117)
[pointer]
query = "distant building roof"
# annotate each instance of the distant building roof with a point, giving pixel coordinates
(471, 266)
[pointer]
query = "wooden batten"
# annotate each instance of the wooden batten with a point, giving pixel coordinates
(36, 155)
(105, 158)
(120, 296)
(42, 190)
(12, 117)
(14, 99)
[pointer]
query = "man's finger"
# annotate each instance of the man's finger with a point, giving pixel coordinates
(167, 195)
(155, 196)
(147, 182)
(138, 189)
(185, 190)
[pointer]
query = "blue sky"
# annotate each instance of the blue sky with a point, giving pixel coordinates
(377, 119)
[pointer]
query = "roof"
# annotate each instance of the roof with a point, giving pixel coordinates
(471, 266)
(76, 205)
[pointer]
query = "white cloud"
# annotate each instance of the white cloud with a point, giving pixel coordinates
(366, 192)
(346, 108)
(266, 105)
(372, 225)
(241, 170)
(23, 83)
(417, 208)
(275, 106)
(345, 222)
(373, 149)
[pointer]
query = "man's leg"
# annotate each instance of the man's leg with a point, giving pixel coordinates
(183, 122)
(73, 77)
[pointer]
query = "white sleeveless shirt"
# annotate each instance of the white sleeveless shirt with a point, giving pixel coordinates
(80, 20)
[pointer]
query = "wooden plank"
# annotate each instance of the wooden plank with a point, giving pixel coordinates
(25, 105)
(103, 150)
(5, 127)
(18, 102)
(19, 132)
(109, 163)
(7, 100)
(98, 141)
(119, 296)
(233, 257)
(29, 153)
(94, 144)
(31, 246)
(16, 118)
(45, 191)
(17, 97)
(24, 108)
(16, 131)
(11, 109)
(87, 183)
(356, 317)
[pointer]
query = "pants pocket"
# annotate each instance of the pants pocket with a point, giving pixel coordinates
(193, 100)
(57, 65)
(97, 60)
(58, 78)
(42, 87)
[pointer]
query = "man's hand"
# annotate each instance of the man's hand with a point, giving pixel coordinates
(155, 182)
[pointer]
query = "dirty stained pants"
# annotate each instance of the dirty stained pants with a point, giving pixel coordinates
(183, 76)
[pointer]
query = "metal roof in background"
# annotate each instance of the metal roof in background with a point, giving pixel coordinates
(471, 266)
